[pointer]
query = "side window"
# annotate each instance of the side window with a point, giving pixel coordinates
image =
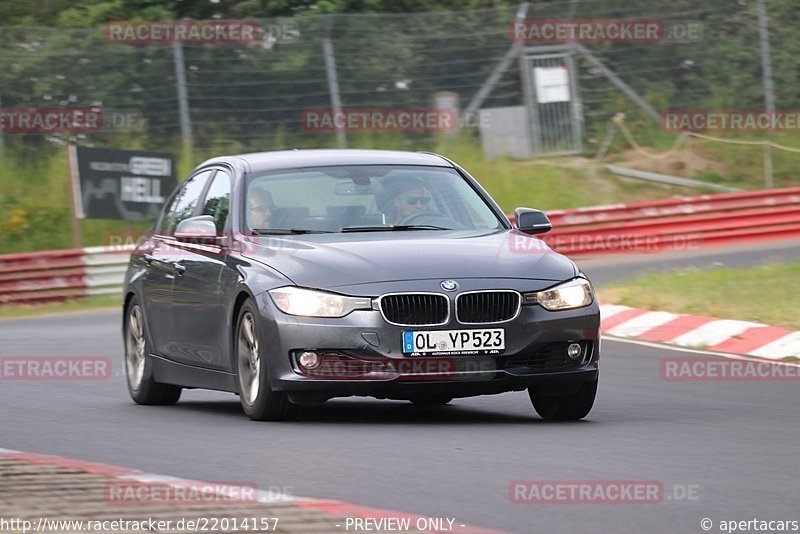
(218, 199)
(182, 205)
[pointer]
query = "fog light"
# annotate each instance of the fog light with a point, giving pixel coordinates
(308, 360)
(574, 351)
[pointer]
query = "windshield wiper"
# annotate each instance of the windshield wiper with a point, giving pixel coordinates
(395, 228)
(288, 231)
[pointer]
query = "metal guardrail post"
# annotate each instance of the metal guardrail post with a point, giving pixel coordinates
(766, 60)
(667, 179)
(2, 141)
(333, 81)
(617, 81)
(500, 69)
(769, 182)
(76, 203)
(183, 100)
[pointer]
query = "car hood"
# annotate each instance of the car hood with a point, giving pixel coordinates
(328, 261)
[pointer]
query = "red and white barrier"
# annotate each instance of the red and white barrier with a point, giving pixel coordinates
(56, 275)
(677, 223)
(638, 211)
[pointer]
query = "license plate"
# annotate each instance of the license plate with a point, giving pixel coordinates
(454, 342)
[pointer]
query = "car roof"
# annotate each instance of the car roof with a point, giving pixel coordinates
(289, 159)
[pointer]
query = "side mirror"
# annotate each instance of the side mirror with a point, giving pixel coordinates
(532, 221)
(200, 229)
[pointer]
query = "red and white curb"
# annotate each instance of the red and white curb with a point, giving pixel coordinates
(329, 507)
(695, 331)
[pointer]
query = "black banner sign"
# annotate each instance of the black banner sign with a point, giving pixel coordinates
(131, 185)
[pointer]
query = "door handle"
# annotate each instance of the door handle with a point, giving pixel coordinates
(179, 268)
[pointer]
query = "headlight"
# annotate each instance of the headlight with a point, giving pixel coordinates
(573, 294)
(312, 303)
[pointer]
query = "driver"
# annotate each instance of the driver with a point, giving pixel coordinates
(401, 198)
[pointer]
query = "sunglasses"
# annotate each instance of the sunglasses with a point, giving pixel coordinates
(260, 209)
(412, 201)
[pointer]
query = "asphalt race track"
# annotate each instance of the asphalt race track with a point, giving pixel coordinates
(731, 445)
(609, 269)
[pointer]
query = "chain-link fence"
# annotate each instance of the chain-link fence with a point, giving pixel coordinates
(248, 96)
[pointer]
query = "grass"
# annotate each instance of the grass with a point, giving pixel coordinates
(741, 166)
(35, 212)
(765, 294)
(551, 183)
(72, 305)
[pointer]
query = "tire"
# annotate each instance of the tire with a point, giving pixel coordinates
(570, 407)
(431, 400)
(138, 364)
(259, 401)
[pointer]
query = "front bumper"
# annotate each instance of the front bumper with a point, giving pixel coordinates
(534, 356)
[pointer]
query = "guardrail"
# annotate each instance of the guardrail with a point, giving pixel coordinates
(40, 277)
(676, 223)
(642, 227)
(725, 202)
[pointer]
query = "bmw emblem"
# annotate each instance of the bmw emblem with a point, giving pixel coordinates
(449, 285)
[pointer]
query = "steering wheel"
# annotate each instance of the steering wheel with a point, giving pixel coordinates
(432, 218)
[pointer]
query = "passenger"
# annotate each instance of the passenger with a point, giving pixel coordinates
(260, 206)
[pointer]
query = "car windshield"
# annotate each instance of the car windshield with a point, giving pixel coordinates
(364, 198)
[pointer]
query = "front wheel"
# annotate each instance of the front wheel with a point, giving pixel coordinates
(570, 407)
(138, 365)
(259, 401)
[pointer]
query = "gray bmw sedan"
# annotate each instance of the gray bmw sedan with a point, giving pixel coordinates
(294, 277)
